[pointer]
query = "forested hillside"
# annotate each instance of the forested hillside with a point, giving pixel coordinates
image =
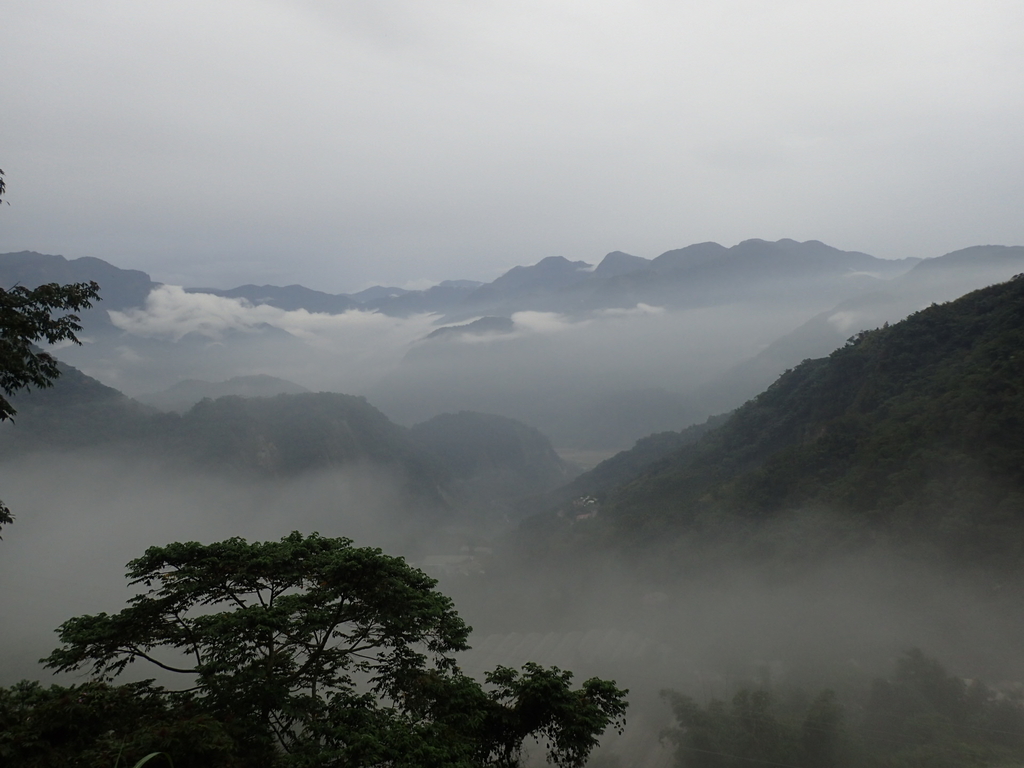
(914, 432)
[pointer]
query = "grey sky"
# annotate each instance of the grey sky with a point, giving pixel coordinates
(338, 144)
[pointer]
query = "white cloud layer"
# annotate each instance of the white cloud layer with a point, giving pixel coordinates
(173, 313)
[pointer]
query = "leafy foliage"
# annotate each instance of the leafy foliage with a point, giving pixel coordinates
(313, 652)
(26, 317)
(97, 725)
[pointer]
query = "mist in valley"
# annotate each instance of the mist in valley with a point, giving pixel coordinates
(725, 616)
(801, 605)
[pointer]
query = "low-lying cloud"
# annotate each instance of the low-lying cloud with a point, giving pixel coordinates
(171, 312)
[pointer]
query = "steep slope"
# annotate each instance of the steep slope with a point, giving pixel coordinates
(625, 466)
(932, 280)
(914, 430)
(76, 412)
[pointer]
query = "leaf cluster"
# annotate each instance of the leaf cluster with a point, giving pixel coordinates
(97, 725)
(28, 316)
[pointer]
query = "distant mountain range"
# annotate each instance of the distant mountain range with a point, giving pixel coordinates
(800, 300)
(695, 275)
(912, 431)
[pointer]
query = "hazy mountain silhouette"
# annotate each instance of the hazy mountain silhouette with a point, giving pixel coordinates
(184, 394)
(481, 326)
(290, 297)
(492, 459)
(619, 263)
(469, 462)
(119, 288)
(697, 275)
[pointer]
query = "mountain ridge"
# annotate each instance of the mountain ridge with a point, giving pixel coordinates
(613, 282)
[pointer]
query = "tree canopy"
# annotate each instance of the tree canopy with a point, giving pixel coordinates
(311, 651)
(28, 316)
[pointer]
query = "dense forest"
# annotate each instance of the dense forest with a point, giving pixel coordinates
(912, 432)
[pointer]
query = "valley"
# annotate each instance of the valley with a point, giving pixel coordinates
(793, 478)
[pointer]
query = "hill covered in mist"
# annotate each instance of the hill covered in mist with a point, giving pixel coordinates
(466, 463)
(912, 433)
(804, 529)
(492, 460)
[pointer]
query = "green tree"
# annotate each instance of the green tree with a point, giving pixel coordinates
(28, 316)
(97, 724)
(755, 728)
(314, 652)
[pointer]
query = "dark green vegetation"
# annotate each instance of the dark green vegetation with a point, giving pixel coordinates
(920, 717)
(624, 466)
(913, 433)
(303, 652)
(28, 316)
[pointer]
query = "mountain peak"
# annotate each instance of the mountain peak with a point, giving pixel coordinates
(619, 263)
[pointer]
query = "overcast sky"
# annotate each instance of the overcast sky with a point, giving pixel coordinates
(339, 144)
